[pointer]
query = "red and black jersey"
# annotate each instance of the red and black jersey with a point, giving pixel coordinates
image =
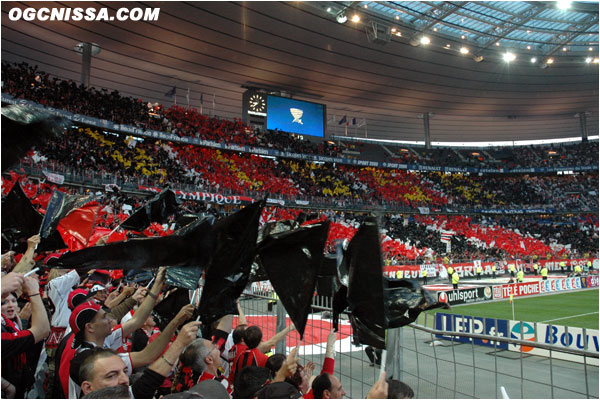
(16, 344)
(248, 357)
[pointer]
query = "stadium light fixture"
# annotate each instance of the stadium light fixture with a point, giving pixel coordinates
(356, 18)
(533, 60)
(464, 50)
(588, 60)
(563, 4)
(425, 40)
(341, 18)
(509, 57)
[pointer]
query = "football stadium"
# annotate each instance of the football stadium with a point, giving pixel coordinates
(318, 199)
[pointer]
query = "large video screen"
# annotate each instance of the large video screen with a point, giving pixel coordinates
(296, 116)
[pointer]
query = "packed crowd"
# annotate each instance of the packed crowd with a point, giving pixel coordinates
(407, 239)
(159, 163)
(74, 334)
(99, 334)
(28, 82)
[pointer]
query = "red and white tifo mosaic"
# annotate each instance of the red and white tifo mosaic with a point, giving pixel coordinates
(315, 333)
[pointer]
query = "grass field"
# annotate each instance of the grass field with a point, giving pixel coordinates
(576, 309)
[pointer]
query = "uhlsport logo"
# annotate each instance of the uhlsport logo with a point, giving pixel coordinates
(528, 333)
(443, 297)
(297, 114)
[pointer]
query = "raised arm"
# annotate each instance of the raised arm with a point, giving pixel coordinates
(125, 293)
(27, 263)
(147, 305)
(40, 326)
(265, 346)
(241, 315)
(153, 350)
(155, 374)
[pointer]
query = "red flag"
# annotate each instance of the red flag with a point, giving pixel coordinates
(76, 227)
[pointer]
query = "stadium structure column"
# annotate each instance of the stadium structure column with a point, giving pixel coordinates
(583, 126)
(86, 63)
(426, 129)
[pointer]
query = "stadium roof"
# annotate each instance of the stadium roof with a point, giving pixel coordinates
(376, 69)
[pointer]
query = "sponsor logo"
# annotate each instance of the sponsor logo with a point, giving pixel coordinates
(497, 292)
(443, 297)
(487, 292)
(526, 330)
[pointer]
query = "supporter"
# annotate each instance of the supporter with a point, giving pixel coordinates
(19, 352)
(327, 386)
(251, 379)
(92, 328)
(253, 353)
(202, 359)
(399, 390)
(103, 368)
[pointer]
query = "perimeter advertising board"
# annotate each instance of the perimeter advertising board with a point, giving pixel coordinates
(468, 324)
(560, 336)
(465, 296)
(541, 287)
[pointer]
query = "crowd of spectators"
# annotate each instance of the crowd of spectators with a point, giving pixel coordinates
(28, 82)
(158, 163)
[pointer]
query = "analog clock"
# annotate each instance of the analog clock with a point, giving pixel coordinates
(257, 103)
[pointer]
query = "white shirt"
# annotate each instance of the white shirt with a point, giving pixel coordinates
(58, 292)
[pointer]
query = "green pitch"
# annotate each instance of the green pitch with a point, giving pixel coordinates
(576, 309)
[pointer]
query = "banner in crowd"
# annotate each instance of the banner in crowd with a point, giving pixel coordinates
(467, 269)
(465, 296)
(109, 125)
(205, 196)
(54, 178)
(561, 336)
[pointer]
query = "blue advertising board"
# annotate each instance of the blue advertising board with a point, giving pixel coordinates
(469, 324)
(295, 116)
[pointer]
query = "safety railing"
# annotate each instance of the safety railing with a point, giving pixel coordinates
(432, 367)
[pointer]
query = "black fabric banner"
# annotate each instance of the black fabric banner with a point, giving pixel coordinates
(292, 260)
(191, 249)
(229, 270)
(159, 209)
(23, 128)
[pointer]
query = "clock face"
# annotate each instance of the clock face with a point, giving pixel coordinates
(257, 103)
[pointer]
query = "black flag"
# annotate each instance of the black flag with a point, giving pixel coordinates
(20, 221)
(24, 127)
(159, 209)
(229, 270)
(365, 294)
(191, 249)
(188, 277)
(405, 300)
(292, 260)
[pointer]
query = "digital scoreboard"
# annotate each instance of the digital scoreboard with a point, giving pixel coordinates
(284, 114)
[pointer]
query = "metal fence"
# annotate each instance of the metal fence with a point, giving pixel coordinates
(432, 367)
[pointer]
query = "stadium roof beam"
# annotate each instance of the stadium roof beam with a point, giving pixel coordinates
(435, 15)
(575, 30)
(499, 32)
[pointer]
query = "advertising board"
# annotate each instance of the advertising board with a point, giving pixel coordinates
(465, 296)
(468, 324)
